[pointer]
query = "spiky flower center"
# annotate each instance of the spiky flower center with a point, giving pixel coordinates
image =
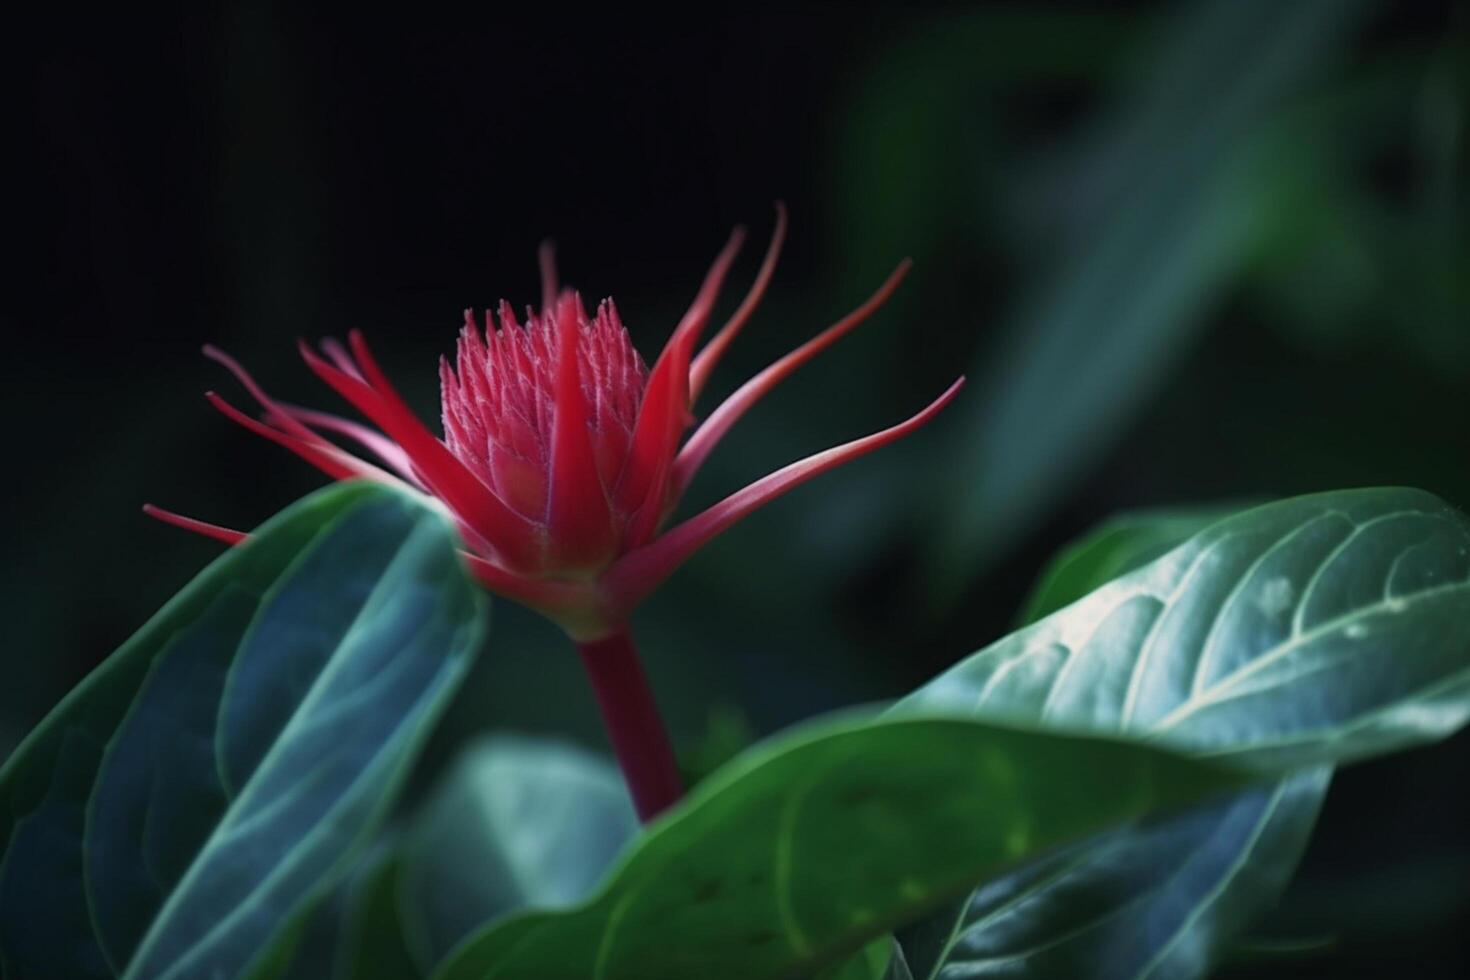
(499, 400)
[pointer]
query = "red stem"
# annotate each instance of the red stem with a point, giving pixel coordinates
(633, 724)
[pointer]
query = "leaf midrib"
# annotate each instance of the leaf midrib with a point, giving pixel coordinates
(330, 665)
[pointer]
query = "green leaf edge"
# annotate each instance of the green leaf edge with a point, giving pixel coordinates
(328, 507)
(794, 739)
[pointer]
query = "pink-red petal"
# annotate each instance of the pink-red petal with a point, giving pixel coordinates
(708, 435)
(582, 534)
(639, 572)
(374, 442)
(704, 364)
(225, 534)
(514, 538)
(664, 412)
(315, 450)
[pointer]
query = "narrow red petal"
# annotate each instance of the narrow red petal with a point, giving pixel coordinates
(374, 442)
(664, 412)
(294, 422)
(639, 572)
(709, 357)
(697, 316)
(582, 531)
(644, 523)
(315, 450)
(513, 536)
(662, 417)
(334, 350)
(273, 409)
(225, 534)
(708, 435)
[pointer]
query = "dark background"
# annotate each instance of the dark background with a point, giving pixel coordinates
(1187, 253)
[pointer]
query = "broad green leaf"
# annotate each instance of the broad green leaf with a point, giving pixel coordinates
(519, 822)
(178, 812)
(1348, 600)
(1120, 545)
(1163, 900)
(1168, 896)
(1172, 894)
(819, 841)
(1321, 629)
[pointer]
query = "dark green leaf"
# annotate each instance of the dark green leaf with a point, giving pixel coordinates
(810, 846)
(180, 810)
(1161, 900)
(1172, 893)
(881, 959)
(1166, 899)
(519, 822)
(355, 934)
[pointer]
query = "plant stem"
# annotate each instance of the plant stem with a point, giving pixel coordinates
(633, 723)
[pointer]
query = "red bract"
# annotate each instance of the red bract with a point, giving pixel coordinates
(561, 459)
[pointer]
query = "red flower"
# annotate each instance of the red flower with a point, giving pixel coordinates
(561, 459)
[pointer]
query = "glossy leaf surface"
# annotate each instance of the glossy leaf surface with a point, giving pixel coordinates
(812, 845)
(182, 808)
(1163, 899)
(1322, 628)
(1344, 602)
(1120, 545)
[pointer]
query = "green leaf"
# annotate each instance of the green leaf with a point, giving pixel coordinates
(519, 822)
(881, 959)
(813, 844)
(1173, 893)
(1166, 210)
(355, 934)
(1342, 607)
(1120, 545)
(1161, 900)
(179, 811)
(1325, 628)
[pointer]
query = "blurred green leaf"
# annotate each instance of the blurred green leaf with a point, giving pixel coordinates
(519, 822)
(817, 842)
(727, 733)
(355, 934)
(1164, 212)
(1355, 254)
(179, 811)
(516, 822)
(881, 959)
(1316, 629)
